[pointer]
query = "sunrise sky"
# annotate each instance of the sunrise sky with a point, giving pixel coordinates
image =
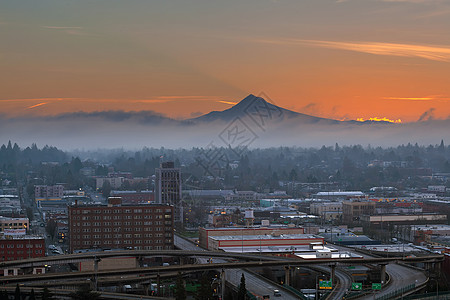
(344, 59)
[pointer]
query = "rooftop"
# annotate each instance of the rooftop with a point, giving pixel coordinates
(267, 237)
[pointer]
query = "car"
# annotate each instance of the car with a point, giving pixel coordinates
(56, 251)
(276, 293)
(52, 247)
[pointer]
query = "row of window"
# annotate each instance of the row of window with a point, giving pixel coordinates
(18, 252)
(12, 224)
(126, 223)
(126, 217)
(11, 246)
(120, 211)
(119, 229)
(118, 236)
(125, 242)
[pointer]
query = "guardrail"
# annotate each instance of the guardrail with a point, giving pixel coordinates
(295, 291)
(398, 292)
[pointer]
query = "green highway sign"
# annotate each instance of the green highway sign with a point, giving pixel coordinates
(325, 285)
(376, 286)
(356, 286)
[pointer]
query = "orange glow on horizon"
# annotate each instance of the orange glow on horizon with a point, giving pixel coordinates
(377, 119)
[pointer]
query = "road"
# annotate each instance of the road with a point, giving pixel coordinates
(345, 282)
(254, 284)
(401, 276)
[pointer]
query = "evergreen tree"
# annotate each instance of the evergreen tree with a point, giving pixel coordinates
(180, 290)
(3, 295)
(205, 291)
(17, 293)
(84, 293)
(32, 296)
(242, 292)
(46, 294)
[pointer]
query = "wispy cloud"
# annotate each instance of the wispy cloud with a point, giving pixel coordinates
(72, 30)
(62, 27)
(152, 101)
(409, 98)
(427, 98)
(227, 102)
(37, 105)
(38, 99)
(431, 52)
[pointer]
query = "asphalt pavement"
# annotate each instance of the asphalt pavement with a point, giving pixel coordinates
(254, 284)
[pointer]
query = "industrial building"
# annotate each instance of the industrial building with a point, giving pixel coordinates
(379, 220)
(206, 234)
(289, 241)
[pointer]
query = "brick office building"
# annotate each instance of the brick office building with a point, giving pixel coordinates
(21, 247)
(142, 227)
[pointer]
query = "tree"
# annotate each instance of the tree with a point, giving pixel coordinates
(242, 292)
(51, 228)
(46, 294)
(4, 295)
(17, 293)
(32, 296)
(204, 292)
(84, 293)
(180, 290)
(30, 215)
(106, 188)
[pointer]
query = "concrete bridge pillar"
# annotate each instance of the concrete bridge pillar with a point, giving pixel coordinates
(222, 287)
(158, 285)
(333, 273)
(96, 261)
(383, 273)
(287, 275)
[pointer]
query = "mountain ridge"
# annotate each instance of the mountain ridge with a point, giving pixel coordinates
(254, 106)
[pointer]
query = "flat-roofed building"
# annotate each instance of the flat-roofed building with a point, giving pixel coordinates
(378, 220)
(21, 247)
(205, 234)
(48, 192)
(13, 223)
(141, 227)
(289, 241)
(353, 210)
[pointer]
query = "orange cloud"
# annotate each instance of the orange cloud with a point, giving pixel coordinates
(428, 98)
(227, 102)
(37, 105)
(431, 52)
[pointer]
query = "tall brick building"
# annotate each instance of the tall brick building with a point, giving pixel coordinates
(142, 227)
